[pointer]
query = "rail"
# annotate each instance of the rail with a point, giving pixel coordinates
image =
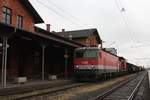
(102, 96)
(110, 91)
(136, 89)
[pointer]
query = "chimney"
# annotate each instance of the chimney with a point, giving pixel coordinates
(70, 37)
(63, 30)
(48, 26)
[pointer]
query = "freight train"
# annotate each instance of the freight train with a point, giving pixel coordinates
(95, 63)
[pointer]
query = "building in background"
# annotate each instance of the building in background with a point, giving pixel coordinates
(111, 50)
(87, 37)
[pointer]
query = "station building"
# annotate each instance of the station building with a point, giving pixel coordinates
(87, 37)
(29, 51)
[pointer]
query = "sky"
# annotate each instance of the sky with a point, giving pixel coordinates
(122, 24)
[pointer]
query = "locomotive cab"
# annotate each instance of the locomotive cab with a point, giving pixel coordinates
(86, 62)
(86, 57)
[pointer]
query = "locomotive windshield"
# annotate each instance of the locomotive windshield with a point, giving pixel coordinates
(86, 53)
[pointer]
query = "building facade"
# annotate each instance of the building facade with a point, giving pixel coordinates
(87, 37)
(19, 14)
(28, 51)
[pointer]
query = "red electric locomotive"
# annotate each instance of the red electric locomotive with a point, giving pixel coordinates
(94, 62)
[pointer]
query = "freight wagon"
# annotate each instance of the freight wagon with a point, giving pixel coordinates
(133, 68)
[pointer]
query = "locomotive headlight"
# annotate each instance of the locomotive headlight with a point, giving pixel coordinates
(93, 66)
(77, 66)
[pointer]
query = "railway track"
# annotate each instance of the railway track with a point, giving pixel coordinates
(71, 92)
(124, 91)
(75, 91)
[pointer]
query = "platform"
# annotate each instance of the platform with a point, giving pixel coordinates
(31, 85)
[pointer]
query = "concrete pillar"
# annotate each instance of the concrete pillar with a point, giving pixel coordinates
(43, 61)
(4, 60)
(43, 45)
(66, 63)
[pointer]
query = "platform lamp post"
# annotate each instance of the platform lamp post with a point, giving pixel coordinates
(66, 63)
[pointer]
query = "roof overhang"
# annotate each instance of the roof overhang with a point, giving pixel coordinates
(37, 18)
(12, 31)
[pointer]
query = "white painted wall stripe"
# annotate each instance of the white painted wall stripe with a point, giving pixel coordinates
(96, 67)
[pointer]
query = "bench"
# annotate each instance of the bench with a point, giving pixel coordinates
(21, 80)
(52, 77)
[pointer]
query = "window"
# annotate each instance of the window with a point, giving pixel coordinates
(7, 14)
(87, 53)
(19, 21)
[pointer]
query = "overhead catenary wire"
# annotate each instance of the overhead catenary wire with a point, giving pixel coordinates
(73, 19)
(143, 44)
(59, 14)
(132, 34)
(122, 11)
(66, 12)
(48, 13)
(110, 44)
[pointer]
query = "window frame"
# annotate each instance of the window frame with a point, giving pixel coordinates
(20, 21)
(6, 15)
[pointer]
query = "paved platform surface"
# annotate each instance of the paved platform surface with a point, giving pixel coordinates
(30, 85)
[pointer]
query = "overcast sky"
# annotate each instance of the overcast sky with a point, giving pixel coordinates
(123, 24)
